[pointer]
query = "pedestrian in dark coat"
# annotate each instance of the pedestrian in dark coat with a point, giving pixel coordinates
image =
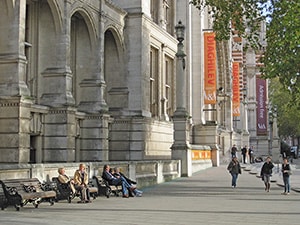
(266, 173)
(244, 153)
(286, 171)
(233, 151)
(251, 154)
(234, 169)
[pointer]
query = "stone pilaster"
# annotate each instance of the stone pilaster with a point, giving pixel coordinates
(93, 88)
(94, 138)
(15, 98)
(14, 138)
(12, 52)
(59, 135)
(57, 88)
(58, 81)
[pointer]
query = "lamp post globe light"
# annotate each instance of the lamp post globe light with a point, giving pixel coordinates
(180, 28)
(245, 93)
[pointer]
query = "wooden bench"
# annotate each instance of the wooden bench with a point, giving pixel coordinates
(19, 192)
(64, 191)
(104, 189)
(93, 189)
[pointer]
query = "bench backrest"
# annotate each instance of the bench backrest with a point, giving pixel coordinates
(23, 185)
(55, 179)
(61, 186)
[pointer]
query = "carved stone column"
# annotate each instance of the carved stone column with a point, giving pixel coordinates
(15, 100)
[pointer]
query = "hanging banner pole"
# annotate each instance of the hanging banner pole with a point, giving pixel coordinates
(236, 89)
(210, 69)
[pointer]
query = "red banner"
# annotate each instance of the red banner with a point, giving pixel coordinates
(236, 89)
(210, 70)
(261, 109)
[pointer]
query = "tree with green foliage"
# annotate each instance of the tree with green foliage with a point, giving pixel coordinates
(282, 55)
(241, 17)
(288, 116)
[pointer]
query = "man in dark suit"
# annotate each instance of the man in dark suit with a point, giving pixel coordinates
(118, 174)
(112, 180)
(244, 153)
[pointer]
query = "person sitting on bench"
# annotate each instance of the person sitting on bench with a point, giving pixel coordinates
(81, 180)
(65, 179)
(112, 180)
(118, 174)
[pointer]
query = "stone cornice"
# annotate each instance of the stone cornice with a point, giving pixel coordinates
(10, 104)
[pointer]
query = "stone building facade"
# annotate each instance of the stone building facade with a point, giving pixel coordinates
(95, 80)
(86, 80)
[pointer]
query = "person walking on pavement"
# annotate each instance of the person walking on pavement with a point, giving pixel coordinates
(286, 171)
(266, 173)
(244, 153)
(251, 155)
(234, 169)
(233, 151)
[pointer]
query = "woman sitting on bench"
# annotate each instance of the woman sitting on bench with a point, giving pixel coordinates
(65, 179)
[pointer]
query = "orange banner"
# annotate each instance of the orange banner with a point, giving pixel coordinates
(236, 89)
(210, 69)
(201, 154)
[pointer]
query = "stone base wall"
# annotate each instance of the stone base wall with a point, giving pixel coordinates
(15, 120)
(140, 139)
(32, 133)
(260, 144)
(205, 135)
(201, 165)
(146, 173)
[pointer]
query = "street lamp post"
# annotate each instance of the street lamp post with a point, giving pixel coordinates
(245, 132)
(180, 73)
(271, 132)
(245, 110)
(181, 147)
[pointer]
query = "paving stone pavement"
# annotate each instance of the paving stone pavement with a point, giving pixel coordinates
(204, 198)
